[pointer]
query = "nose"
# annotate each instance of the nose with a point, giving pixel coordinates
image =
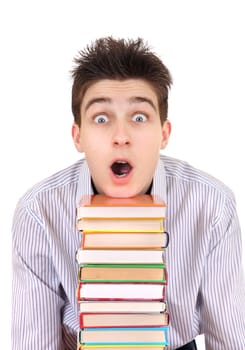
(120, 141)
(120, 136)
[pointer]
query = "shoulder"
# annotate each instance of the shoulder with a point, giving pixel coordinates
(63, 180)
(182, 173)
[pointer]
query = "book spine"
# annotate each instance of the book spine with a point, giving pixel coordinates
(86, 243)
(127, 295)
(164, 331)
(141, 307)
(125, 265)
(162, 321)
(103, 276)
(119, 347)
(120, 256)
(120, 281)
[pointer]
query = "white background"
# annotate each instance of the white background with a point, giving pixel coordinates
(202, 43)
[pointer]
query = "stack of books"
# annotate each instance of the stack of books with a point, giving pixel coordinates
(122, 273)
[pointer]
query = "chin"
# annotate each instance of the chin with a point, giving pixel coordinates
(121, 192)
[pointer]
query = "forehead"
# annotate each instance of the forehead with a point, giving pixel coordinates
(120, 91)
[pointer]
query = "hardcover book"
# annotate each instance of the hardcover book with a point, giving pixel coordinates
(118, 256)
(123, 320)
(116, 336)
(120, 291)
(125, 240)
(101, 206)
(144, 273)
(121, 225)
(119, 347)
(103, 306)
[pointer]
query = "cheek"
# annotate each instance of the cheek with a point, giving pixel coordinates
(89, 143)
(96, 150)
(95, 153)
(150, 156)
(152, 145)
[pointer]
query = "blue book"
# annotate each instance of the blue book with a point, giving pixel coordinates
(124, 336)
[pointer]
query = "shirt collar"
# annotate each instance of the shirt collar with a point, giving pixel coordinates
(84, 187)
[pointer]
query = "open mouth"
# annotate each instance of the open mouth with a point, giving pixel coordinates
(121, 168)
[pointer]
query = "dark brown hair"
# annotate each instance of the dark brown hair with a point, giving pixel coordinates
(119, 59)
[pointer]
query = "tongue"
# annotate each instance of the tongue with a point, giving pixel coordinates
(121, 168)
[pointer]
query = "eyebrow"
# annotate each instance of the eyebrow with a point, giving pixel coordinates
(97, 100)
(134, 99)
(140, 99)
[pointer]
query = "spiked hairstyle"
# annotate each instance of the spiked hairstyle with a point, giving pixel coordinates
(119, 59)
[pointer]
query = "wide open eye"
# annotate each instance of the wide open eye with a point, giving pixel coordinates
(101, 119)
(139, 118)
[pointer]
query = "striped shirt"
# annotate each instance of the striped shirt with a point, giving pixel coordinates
(205, 292)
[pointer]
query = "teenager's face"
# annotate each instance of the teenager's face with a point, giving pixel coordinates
(121, 135)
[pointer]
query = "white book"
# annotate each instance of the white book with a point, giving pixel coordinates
(120, 291)
(120, 256)
(96, 306)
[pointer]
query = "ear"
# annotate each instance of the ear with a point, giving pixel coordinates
(75, 131)
(166, 131)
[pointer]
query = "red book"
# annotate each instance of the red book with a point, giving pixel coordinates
(119, 347)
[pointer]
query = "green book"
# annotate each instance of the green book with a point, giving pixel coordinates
(152, 273)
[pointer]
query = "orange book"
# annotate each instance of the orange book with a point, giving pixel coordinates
(125, 240)
(141, 206)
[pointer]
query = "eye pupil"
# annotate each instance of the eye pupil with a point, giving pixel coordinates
(140, 118)
(101, 119)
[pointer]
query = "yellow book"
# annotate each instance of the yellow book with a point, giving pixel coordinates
(120, 225)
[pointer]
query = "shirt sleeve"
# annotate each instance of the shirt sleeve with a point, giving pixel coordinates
(36, 295)
(223, 287)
